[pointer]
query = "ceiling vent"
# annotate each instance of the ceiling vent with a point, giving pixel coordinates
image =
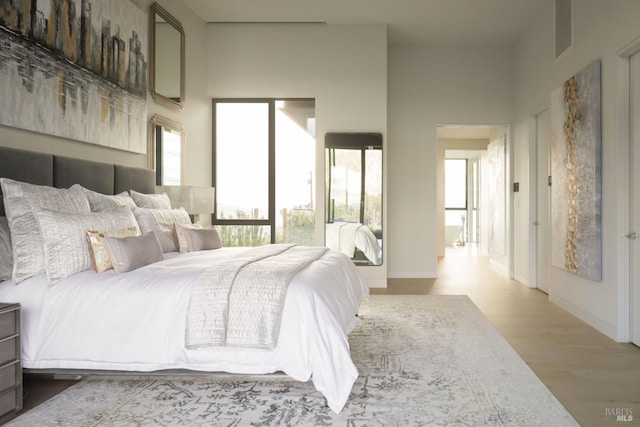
(563, 28)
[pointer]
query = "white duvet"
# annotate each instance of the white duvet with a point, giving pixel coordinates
(136, 322)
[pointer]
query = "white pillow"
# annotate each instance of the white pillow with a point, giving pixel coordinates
(6, 260)
(129, 253)
(65, 240)
(104, 202)
(20, 199)
(161, 221)
(192, 237)
(151, 201)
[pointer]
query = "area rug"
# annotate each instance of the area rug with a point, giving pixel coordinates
(423, 361)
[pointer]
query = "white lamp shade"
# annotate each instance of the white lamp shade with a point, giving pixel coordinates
(196, 200)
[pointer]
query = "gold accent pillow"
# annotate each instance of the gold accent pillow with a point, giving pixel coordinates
(100, 259)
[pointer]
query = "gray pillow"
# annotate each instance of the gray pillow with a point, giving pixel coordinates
(20, 199)
(6, 260)
(64, 234)
(151, 201)
(203, 239)
(192, 237)
(161, 222)
(129, 253)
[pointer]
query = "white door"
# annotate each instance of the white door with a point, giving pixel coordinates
(543, 216)
(634, 97)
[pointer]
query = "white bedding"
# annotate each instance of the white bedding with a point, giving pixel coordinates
(136, 322)
(345, 237)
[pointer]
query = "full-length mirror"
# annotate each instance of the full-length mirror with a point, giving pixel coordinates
(166, 57)
(166, 150)
(353, 188)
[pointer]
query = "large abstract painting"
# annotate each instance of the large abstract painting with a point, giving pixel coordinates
(576, 163)
(75, 69)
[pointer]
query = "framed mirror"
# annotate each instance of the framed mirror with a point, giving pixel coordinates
(166, 58)
(353, 189)
(166, 150)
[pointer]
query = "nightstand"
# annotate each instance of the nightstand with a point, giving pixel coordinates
(10, 366)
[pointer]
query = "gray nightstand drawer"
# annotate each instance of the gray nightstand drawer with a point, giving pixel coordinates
(10, 365)
(8, 323)
(9, 400)
(9, 375)
(9, 350)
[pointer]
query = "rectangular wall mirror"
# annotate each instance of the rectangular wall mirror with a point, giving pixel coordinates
(166, 150)
(166, 58)
(353, 188)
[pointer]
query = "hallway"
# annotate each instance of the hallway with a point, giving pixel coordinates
(591, 375)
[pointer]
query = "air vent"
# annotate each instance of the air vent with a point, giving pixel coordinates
(564, 27)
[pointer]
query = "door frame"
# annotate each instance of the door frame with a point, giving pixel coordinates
(624, 194)
(533, 192)
(508, 266)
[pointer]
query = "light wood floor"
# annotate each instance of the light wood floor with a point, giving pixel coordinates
(590, 374)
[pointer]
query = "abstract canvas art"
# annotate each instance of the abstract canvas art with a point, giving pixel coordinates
(75, 69)
(576, 163)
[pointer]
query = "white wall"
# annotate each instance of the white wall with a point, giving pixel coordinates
(344, 67)
(196, 116)
(600, 28)
(430, 86)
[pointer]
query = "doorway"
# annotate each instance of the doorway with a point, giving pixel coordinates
(542, 222)
(634, 180)
(476, 222)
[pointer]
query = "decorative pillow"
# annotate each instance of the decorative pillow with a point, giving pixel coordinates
(65, 240)
(100, 260)
(103, 202)
(6, 260)
(151, 201)
(20, 199)
(192, 237)
(203, 239)
(161, 221)
(129, 253)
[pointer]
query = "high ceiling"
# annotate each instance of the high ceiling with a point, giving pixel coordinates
(409, 22)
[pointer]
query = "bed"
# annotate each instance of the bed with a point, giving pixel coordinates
(351, 238)
(139, 319)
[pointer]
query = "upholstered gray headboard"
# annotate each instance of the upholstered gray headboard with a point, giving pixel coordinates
(63, 172)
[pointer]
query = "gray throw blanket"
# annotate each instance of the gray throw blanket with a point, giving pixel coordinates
(238, 302)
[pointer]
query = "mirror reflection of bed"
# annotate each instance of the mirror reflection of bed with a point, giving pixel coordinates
(356, 241)
(353, 219)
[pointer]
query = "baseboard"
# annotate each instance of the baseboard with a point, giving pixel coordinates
(593, 321)
(522, 279)
(411, 275)
(498, 266)
(376, 283)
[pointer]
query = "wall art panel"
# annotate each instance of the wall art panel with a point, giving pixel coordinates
(75, 69)
(576, 163)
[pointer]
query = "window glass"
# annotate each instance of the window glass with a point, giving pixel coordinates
(242, 169)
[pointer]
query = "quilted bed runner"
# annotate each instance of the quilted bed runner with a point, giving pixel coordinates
(238, 302)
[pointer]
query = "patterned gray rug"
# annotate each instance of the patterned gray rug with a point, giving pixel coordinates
(423, 360)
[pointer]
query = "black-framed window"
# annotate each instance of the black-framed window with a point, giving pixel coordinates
(249, 137)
